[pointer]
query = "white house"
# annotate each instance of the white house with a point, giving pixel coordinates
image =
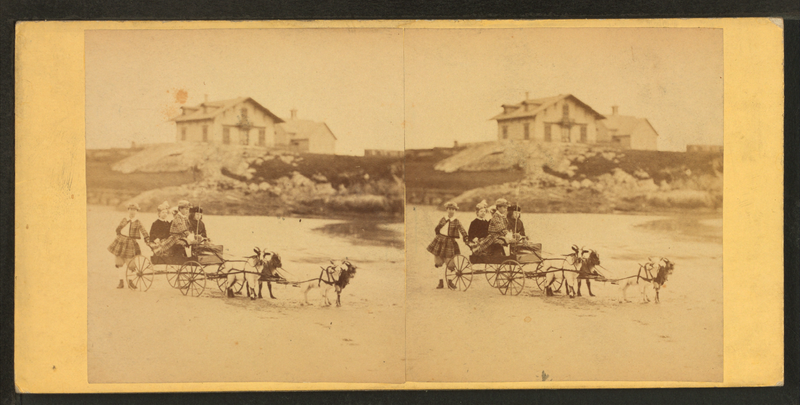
(239, 121)
(562, 118)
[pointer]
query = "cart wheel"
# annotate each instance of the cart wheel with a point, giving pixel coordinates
(540, 274)
(222, 280)
(192, 279)
(172, 275)
(510, 278)
(491, 272)
(460, 276)
(140, 273)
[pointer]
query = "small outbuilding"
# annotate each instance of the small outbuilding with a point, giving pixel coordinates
(305, 136)
(627, 132)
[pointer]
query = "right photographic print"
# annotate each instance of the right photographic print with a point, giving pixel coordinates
(564, 204)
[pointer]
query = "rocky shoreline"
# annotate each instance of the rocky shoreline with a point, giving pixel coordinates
(585, 178)
(258, 181)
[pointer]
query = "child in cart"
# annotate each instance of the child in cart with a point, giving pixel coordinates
(520, 243)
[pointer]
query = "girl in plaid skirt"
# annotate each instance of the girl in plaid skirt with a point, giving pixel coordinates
(125, 246)
(444, 246)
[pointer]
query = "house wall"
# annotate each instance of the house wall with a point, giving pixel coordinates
(644, 137)
(322, 142)
(603, 134)
(258, 119)
(552, 115)
(229, 118)
(194, 130)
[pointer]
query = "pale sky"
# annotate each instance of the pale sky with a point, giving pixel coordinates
(444, 84)
(350, 79)
(457, 79)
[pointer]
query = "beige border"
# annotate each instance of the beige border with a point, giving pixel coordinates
(50, 222)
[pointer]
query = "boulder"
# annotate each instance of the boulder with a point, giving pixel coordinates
(298, 180)
(241, 168)
(647, 185)
(586, 183)
(325, 189)
(264, 186)
(641, 174)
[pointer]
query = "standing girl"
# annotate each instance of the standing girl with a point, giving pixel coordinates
(444, 247)
(125, 246)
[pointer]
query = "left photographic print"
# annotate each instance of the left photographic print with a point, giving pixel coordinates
(245, 205)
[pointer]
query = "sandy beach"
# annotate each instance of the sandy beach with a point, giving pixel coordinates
(162, 336)
(480, 335)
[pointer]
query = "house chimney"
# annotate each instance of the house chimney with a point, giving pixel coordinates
(614, 109)
(294, 113)
(205, 98)
(526, 95)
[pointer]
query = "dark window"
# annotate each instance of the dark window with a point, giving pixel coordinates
(226, 136)
(244, 136)
(183, 134)
(584, 137)
(244, 114)
(262, 137)
(205, 133)
(548, 135)
(566, 110)
(527, 132)
(505, 132)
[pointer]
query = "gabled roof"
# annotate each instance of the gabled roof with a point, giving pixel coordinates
(304, 129)
(625, 124)
(215, 108)
(539, 105)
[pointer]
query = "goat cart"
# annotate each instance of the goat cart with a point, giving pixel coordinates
(508, 273)
(190, 274)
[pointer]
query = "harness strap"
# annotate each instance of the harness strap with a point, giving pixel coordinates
(329, 278)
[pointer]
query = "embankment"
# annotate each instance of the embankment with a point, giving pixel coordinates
(545, 177)
(239, 180)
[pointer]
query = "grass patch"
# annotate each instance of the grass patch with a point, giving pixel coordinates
(100, 175)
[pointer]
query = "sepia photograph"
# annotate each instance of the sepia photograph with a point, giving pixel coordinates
(245, 206)
(398, 205)
(564, 217)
